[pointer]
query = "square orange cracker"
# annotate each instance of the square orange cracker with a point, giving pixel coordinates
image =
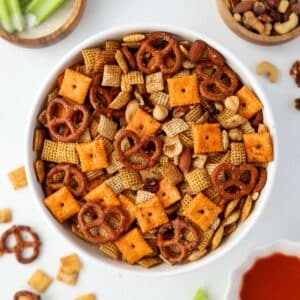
(183, 91)
(102, 194)
(18, 178)
(86, 297)
(259, 147)
(202, 211)
(142, 123)
(249, 103)
(133, 246)
(62, 204)
(168, 193)
(75, 86)
(5, 215)
(67, 278)
(207, 138)
(151, 214)
(129, 207)
(92, 155)
(70, 263)
(39, 281)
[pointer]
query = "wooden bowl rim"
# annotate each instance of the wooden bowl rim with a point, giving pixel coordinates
(248, 35)
(52, 37)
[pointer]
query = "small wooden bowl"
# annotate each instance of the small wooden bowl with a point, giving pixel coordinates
(55, 28)
(250, 36)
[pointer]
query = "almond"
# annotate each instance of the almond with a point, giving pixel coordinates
(185, 160)
(243, 6)
(197, 50)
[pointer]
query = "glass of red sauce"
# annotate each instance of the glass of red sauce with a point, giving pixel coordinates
(270, 273)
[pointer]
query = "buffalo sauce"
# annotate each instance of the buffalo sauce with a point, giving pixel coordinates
(276, 277)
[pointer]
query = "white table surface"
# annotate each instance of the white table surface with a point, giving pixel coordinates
(21, 73)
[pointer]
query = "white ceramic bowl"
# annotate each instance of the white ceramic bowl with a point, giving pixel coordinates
(86, 249)
(281, 246)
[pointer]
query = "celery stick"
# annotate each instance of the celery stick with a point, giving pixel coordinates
(5, 17)
(24, 3)
(200, 295)
(42, 9)
(16, 14)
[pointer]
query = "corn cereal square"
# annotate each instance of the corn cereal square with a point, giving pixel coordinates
(202, 211)
(198, 180)
(258, 147)
(129, 207)
(92, 155)
(67, 278)
(249, 103)
(18, 178)
(39, 281)
(5, 215)
(151, 214)
(183, 91)
(75, 86)
(70, 263)
(112, 76)
(168, 193)
(207, 138)
(62, 204)
(154, 82)
(133, 246)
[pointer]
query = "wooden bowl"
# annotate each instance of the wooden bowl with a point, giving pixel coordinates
(250, 36)
(56, 27)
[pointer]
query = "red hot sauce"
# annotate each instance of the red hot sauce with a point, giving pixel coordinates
(276, 277)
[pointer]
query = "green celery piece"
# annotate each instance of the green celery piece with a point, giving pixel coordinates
(5, 17)
(24, 3)
(200, 295)
(16, 14)
(42, 9)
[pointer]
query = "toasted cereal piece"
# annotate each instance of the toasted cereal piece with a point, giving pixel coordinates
(18, 178)
(59, 152)
(62, 204)
(163, 160)
(114, 165)
(125, 86)
(75, 86)
(39, 281)
(67, 278)
(183, 90)
(130, 179)
(247, 128)
(120, 101)
(133, 246)
(168, 193)
(207, 138)
(115, 183)
(186, 202)
(102, 58)
(258, 147)
(52, 95)
(151, 214)
(199, 160)
(110, 250)
(107, 128)
(198, 180)
(249, 103)
(5, 215)
(154, 82)
(89, 56)
(210, 167)
(226, 158)
(246, 209)
(149, 262)
(186, 139)
(238, 154)
(174, 127)
(152, 173)
(217, 238)
(143, 196)
(112, 45)
(85, 137)
(133, 78)
(91, 175)
(133, 37)
(215, 158)
(120, 59)
(224, 115)
(143, 124)
(171, 172)
(112, 76)
(182, 73)
(92, 155)
(194, 114)
(231, 206)
(160, 98)
(38, 141)
(232, 218)
(132, 45)
(70, 263)
(109, 148)
(202, 211)
(102, 194)
(86, 297)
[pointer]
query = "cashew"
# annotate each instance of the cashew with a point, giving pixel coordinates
(283, 6)
(268, 29)
(131, 108)
(268, 69)
(252, 22)
(235, 134)
(219, 106)
(285, 27)
(238, 17)
(232, 103)
(233, 122)
(225, 140)
(160, 112)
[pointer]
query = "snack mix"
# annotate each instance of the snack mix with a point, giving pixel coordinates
(152, 149)
(266, 17)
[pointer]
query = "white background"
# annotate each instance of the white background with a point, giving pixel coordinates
(21, 73)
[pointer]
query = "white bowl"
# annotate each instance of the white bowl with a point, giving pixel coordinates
(91, 252)
(281, 246)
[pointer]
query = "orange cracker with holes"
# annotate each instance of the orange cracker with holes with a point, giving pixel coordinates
(102, 194)
(39, 281)
(151, 214)
(75, 86)
(207, 138)
(183, 91)
(62, 204)
(249, 103)
(202, 211)
(92, 155)
(259, 148)
(133, 246)
(129, 207)
(143, 124)
(168, 193)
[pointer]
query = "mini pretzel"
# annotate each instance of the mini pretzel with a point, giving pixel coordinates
(72, 127)
(205, 65)
(101, 97)
(21, 243)
(215, 56)
(225, 87)
(100, 222)
(257, 119)
(154, 46)
(208, 89)
(26, 295)
(229, 182)
(177, 240)
(261, 181)
(129, 57)
(73, 178)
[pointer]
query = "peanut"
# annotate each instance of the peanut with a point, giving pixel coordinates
(160, 113)
(185, 160)
(131, 108)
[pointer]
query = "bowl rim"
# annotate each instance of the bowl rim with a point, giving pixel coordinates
(31, 123)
